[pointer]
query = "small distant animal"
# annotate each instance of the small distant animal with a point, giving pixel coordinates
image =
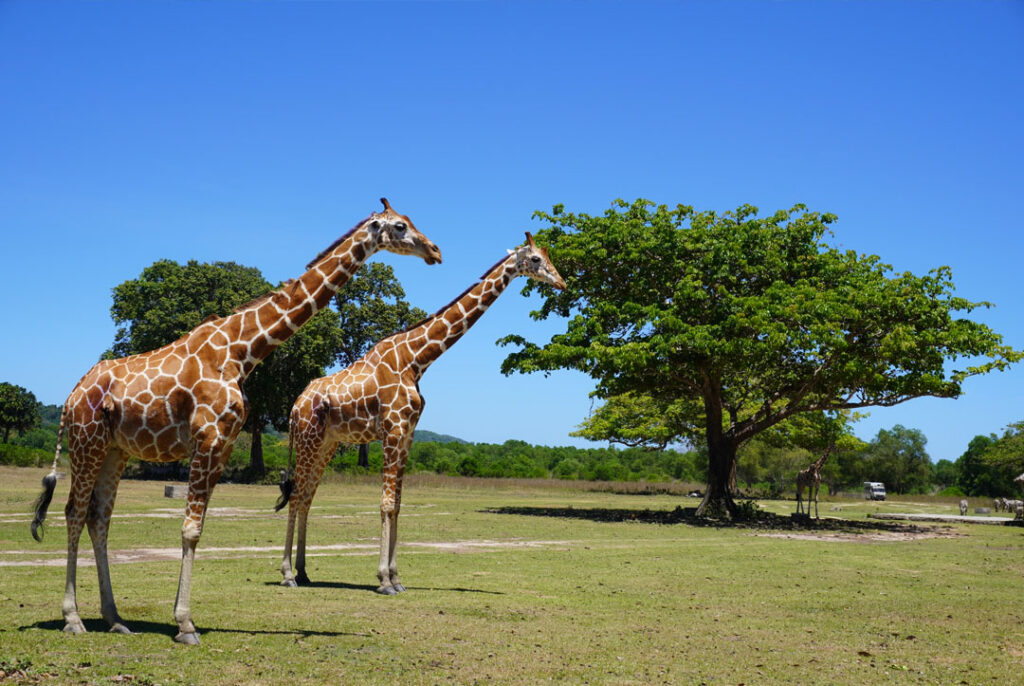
(963, 507)
(997, 504)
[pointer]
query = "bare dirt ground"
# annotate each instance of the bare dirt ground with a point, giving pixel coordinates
(31, 558)
(910, 534)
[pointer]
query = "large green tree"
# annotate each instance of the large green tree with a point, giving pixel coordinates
(370, 307)
(990, 463)
(19, 409)
(897, 457)
(720, 326)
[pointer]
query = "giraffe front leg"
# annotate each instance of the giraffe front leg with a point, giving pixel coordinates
(383, 565)
(393, 540)
(392, 545)
(202, 478)
(300, 548)
(396, 447)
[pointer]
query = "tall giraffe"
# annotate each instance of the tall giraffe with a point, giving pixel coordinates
(378, 398)
(185, 401)
(810, 479)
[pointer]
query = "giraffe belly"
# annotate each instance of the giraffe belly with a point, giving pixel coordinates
(355, 430)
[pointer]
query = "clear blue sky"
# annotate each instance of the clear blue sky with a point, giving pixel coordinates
(259, 131)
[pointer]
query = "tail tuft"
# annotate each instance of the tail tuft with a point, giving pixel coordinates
(286, 486)
(42, 504)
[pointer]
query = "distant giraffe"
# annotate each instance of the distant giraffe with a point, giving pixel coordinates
(185, 401)
(377, 398)
(810, 479)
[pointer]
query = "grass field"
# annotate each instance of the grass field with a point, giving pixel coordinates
(603, 596)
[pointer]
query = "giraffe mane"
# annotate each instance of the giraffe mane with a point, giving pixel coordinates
(335, 244)
(259, 300)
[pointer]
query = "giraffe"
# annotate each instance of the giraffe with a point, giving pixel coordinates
(378, 398)
(185, 401)
(810, 479)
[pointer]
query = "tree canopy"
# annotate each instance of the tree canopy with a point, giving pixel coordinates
(19, 409)
(716, 327)
(370, 307)
(990, 463)
(897, 457)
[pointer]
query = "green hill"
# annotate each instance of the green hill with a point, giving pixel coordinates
(430, 437)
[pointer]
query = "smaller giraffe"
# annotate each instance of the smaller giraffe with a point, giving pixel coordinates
(377, 398)
(810, 479)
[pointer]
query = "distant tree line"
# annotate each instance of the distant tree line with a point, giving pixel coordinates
(767, 468)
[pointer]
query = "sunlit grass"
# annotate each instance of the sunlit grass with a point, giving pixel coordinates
(525, 599)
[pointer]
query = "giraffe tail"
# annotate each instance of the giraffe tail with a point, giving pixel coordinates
(49, 484)
(287, 484)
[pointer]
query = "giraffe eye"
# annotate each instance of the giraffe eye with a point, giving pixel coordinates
(401, 227)
(535, 259)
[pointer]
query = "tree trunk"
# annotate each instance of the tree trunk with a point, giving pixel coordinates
(256, 466)
(718, 500)
(6, 431)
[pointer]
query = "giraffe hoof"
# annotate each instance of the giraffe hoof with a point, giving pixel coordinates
(387, 590)
(75, 627)
(399, 588)
(303, 580)
(190, 639)
(120, 628)
(290, 583)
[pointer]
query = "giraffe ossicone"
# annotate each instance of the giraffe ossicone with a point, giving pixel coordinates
(185, 401)
(377, 398)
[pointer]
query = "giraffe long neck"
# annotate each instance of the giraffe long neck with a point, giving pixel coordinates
(821, 460)
(271, 321)
(443, 329)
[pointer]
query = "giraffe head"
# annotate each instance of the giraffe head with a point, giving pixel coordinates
(533, 261)
(396, 233)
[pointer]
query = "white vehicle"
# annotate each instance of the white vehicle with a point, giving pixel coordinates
(874, 490)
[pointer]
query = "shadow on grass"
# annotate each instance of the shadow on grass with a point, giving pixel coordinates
(373, 589)
(680, 515)
(170, 630)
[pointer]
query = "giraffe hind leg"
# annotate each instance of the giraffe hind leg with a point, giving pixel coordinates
(286, 561)
(84, 473)
(101, 506)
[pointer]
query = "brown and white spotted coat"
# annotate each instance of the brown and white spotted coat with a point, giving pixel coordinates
(378, 398)
(185, 401)
(810, 479)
